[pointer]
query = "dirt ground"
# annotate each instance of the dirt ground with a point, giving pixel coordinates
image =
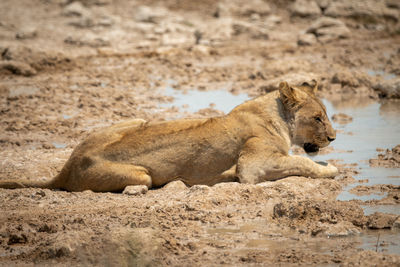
(68, 68)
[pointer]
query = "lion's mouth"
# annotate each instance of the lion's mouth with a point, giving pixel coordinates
(310, 148)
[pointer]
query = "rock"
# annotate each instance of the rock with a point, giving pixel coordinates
(242, 8)
(393, 4)
(380, 220)
(341, 229)
(305, 8)
(150, 14)
(306, 39)
(37, 59)
(201, 49)
(388, 88)
(83, 22)
(324, 22)
(135, 190)
(345, 77)
(391, 159)
(17, 239)
(329, 29)
(342, 118)
(323, 4)
(91, 40)
(18, 68)
(176, 38)
(76, 9)
(28, 33)
(396, 224)
(332, 33)
(200, 188)
(369, 11)
(255, 32)
(252, 7)
(175, 186)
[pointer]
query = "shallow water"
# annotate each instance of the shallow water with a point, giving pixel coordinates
(374, 125)
(380, 240)
(385, 75)
(59, 145)
(394, 209)
(377, 240)
(194, 100)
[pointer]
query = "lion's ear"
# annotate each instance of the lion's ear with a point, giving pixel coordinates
(314, 85)
(291, 97)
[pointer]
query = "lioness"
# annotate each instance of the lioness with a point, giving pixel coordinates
(250, 145)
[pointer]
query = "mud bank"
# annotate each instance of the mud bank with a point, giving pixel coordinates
(69, 68)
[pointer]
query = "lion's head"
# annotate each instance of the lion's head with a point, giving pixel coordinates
(311, 128)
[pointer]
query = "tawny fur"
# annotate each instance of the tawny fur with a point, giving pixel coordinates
(250, 145)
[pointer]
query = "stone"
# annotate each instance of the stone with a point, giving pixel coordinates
(332, 33)
(202, 49)
(176, 38)
(150, 14)
(329, 29)
(135, 190)
(388, 88)
(17, 239)
(76, 9)
(380, 220)
(324, 22)
(251, 7)
(396, 224)
(369, 11)
(323, 4)
(345, 77)
(242, 8)
(305, 8)
(255, 32)
(175, 186)
(306, 39)
(28, 33)
(90, 40)
(200, 188)
(341, 229)
(18, 68)
(389, 159)
(393, 4)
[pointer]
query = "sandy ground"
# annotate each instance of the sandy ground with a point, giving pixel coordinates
(67, 69)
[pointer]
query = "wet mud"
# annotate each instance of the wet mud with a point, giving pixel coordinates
(69, 68)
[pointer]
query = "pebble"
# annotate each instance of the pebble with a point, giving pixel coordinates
(135, 190)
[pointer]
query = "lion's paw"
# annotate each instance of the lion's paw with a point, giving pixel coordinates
(331, 171)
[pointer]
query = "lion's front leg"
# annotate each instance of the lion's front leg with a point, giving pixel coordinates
(261, 163)
(262, 169)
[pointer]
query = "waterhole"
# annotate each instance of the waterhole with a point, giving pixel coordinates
(374, 125)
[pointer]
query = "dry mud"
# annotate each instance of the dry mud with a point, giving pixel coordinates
(68, 68)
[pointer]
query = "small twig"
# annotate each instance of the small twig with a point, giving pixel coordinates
(377, 243)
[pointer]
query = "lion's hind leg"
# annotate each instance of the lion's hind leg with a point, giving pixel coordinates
(108, 176)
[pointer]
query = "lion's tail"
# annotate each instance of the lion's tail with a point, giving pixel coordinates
(54, 183)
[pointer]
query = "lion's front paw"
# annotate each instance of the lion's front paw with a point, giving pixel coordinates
(331, 171)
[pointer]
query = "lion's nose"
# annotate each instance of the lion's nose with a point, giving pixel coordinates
(330, 139)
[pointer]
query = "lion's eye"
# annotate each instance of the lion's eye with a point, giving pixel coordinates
(318, 119)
